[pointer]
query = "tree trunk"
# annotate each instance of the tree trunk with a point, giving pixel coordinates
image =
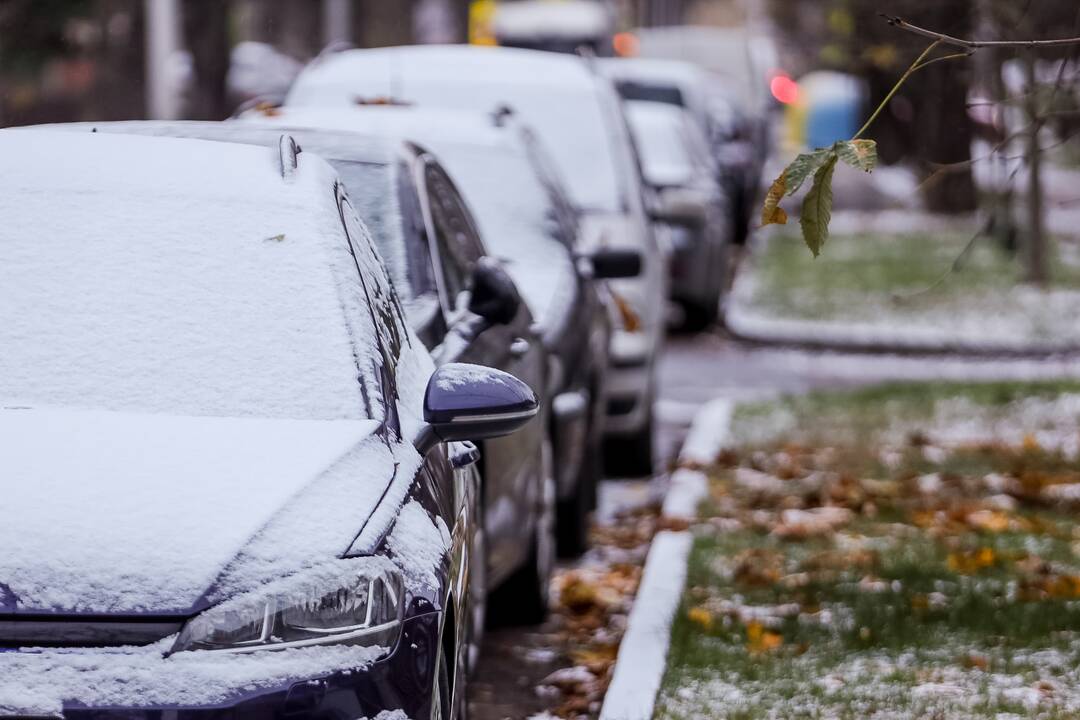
(1036, 268)
(206, 25)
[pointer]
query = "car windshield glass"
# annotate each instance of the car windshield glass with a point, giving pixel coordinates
(384, 199)
(187, 297)
(665, 157)
(636, 90)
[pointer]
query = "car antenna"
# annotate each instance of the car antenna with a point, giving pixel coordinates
(287, 152)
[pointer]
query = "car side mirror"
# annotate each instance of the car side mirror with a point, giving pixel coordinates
(494, 295)
(472, 402)
(680, 206)
(614, 263)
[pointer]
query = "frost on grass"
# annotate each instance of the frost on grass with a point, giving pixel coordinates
(892, 553)
(892, 288)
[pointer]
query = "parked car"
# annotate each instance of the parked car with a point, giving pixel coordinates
(529, 223)
(737, 148)
(688, 204)
(463, 307)
(232, 484)
(577, 115)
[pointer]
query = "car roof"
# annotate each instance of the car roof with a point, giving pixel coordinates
(384, 70)
(387, 123)
(335, 144)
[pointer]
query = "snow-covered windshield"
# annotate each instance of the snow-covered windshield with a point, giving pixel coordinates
(661, 142)
(198, 282)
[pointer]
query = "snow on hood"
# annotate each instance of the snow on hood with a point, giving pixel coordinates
(121, 512)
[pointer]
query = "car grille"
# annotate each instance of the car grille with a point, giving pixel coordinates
(73, 631)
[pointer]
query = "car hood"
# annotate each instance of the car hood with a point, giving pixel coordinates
(112, 512)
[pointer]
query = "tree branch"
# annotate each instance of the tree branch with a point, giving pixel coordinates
(902, 24)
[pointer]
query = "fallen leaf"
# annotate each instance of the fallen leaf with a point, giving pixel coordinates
(759, 639)
(700, 616)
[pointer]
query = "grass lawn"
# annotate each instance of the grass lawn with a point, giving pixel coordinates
(874, 284)
(907, 551)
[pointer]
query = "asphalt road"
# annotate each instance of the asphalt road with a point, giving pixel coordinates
(694, 370)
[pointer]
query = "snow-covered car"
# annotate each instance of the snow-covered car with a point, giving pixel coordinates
(738, 145)
(232, 483)
(464, 308)
(528, 222)
(576, 113)
(687, 204)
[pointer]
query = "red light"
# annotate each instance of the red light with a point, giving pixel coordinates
(784, 89)
(625, 44)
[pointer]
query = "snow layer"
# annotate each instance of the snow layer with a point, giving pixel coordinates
(556, 94)
(494, 173)
(38, 682)
(195, 281)
(418, 545)
(141, 512)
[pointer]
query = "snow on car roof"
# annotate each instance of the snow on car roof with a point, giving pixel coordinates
(177, 276)
(491, 167)
(571, 108)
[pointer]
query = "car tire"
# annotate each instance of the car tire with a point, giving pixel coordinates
(699, 316)
(523, 598)
(632, 455)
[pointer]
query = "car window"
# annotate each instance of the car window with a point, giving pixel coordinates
(457, 245)
(382, 304)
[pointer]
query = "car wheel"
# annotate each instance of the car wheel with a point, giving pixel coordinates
(572, 523)
(632, 455)
(698, 317)
(523, 598)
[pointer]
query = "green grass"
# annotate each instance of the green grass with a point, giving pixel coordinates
(894, 282)
(930, 614)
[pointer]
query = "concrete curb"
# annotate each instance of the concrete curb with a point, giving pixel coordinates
(708, 433)
(639, 667)
(810, 335)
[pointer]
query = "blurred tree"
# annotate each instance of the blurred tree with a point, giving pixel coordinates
(206, 36)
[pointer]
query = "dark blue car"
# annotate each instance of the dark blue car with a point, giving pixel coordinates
(231, 484)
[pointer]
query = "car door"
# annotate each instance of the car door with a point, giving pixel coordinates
(512, 467)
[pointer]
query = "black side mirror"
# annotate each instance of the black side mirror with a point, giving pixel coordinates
(680, 206)
(614, 263)
(494, 295)
(472, 402)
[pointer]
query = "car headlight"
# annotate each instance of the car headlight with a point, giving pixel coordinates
(359, 601)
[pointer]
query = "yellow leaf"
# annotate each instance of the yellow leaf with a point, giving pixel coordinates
(968, 563)
(772, 213)
(759, 640)
(700, 616)
(631, 321)
(1031, 444)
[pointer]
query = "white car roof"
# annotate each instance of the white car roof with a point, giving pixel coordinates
(573, 110)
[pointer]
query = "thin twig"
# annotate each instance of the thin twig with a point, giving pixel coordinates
(954, 267)
(902, 24)
(899, 83)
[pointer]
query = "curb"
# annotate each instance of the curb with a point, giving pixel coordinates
(639, 668)
(642, 658)
(708, 433)
(809, 335)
